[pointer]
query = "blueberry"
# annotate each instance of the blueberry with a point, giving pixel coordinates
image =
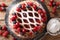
(14, 22)
(28, 6)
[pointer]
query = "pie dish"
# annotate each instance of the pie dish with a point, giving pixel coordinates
(26, 20)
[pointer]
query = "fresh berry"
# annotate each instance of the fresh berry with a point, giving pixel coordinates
(42, 15)
(42, 0)
(3, 5)
(18, 9)
(18, 30)
(23, 30)
(18, 24)
(15, 26)
(35, 7)
(57, 3)
(51, 1)
(44, 19)
(36, 28)
(14, 18)
(39, 11)
(30, 3)
(5, 34)
(55, 8)
(50, 4)
(23, 6)
(1, 32)
(4, 27)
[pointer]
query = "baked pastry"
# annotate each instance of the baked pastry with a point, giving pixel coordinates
(26, 19)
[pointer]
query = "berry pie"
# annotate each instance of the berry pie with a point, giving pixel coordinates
(27, 18)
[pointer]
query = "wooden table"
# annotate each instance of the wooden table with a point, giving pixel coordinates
(46, 37)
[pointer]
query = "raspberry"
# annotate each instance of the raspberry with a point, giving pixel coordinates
(39, 11)
(23, 6)
(4, 27)
(36, 28)
(3, 5)
(42, 15)
(18, 9)
(18, 24)
(18, 30)
(14, 18)
(50, 4)
(5, 34)
(23, 30)
(15, 26)
(44, 19)
(34, 6)
(30, 3)
(57, 3)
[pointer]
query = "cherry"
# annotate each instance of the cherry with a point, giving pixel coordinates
(23, 30)
(18, 30)
(50, 4)
(57, 3)
(42, 0)
(18, 24)
(14, 18)
(39, 11)
(44, 19)
(1, 32)
(3, 5)
(30, 3)
(23, 6)
(15, 26)
(42, 15)
(34, 6)
(5, 34)
(18, 9)
(36, 29)
(4, 27)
